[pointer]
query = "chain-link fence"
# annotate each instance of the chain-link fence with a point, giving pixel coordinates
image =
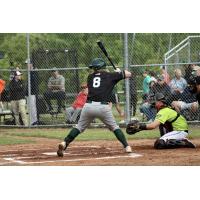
(55, 70)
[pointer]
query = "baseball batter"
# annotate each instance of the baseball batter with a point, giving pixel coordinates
(100, 85)
(173, 126)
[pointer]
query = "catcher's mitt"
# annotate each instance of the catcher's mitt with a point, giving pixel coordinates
(134, 126)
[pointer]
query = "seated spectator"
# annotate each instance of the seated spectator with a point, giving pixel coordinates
(2, 87)
(146, 107)
(188, 72)
(56, 90)
(165, 74)
(153, 76)
(181, 105)
(17, 91)
(162, 87)
(145, 86)
(73, 112)
(177, 84)
(159, 87)
(147, 110)
(196, 74)
(188, 100)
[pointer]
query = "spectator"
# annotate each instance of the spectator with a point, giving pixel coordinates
(12, 71)
(187, 102)
(153, 76)
(73, 112)
(177, 84)
(34, 82)
(196, 85)
(17, 97)
(146, 107)
(56, 90)
(133, 94)
(188, 72)
(181, 106)
(162, 87)
(165, 75)
(145, 86)
(190, 98)
(155, 88)
(2, 87)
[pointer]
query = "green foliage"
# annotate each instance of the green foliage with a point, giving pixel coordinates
(143, 48)
(89, 134)
(5, 140)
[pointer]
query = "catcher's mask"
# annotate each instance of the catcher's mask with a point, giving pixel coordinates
(97, 63)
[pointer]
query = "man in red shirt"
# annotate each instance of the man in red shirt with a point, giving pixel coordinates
(2, 87)
(73, 112)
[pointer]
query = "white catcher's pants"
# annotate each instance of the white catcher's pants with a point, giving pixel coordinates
(178, 135)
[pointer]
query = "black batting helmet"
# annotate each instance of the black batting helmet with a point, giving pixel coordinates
(97, 63)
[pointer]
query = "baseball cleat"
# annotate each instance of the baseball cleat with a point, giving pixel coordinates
(128, 149)
(61, 149)
(188, 143)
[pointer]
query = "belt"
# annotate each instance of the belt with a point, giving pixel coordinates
(102, 102)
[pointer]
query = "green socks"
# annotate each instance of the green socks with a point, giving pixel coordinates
(75, 132)
(120, 136)
(71, 136)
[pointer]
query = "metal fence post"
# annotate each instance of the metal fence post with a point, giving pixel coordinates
(29, 78)
(189, 48)
(127, 87)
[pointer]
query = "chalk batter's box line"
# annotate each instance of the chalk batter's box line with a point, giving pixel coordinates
(17, 159)
(131, 155)
(72, 147)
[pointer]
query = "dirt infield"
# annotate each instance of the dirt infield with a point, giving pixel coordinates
(97, 153)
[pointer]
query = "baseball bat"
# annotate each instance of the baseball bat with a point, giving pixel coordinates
(101, 46)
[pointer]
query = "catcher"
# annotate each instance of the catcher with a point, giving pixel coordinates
(173, 126)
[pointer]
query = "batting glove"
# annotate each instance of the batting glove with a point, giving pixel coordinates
(117, 70)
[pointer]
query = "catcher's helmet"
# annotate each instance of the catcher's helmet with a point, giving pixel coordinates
(160, 101)
(97, 63)
(160, 97)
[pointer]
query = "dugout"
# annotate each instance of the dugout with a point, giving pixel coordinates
(63, 59)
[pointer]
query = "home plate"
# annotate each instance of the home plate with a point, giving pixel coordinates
(52, 153)
(134, 155)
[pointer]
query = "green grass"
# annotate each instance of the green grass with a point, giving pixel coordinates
(9, 140)
(89, 134)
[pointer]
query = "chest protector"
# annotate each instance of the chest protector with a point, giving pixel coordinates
(167, 126)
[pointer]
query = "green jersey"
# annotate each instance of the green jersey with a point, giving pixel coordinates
(145, 86)
(168, 115)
